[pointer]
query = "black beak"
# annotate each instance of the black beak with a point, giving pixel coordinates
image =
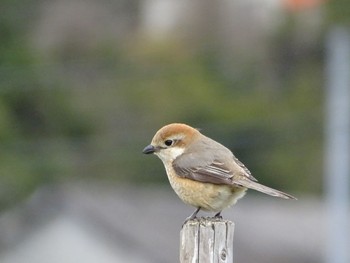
(149, 149)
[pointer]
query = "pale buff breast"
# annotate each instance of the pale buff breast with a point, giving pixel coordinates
(210, 197)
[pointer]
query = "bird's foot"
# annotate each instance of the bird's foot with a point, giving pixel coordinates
(192, 216)
(218, 215)
(188, 219)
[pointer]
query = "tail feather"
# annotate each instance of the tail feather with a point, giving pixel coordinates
(265, 189)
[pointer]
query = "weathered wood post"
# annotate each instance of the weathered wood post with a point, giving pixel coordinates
(207, 240)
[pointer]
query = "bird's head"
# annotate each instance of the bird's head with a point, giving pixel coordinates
(171, 141)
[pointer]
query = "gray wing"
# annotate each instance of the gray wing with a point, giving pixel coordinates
(247, 172)
(214, 163)
(215, 173)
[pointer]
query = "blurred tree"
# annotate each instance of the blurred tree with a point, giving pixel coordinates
(338, 12)
(31, 112)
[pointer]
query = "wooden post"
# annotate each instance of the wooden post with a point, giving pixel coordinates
(207, 240)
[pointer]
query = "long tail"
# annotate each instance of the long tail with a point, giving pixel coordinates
(265, 189)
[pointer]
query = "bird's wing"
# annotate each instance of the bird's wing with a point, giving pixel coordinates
(215, 165)
(218, 172)
(248, 174)
(215, 172)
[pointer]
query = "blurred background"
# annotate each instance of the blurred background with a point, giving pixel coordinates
(84, 85)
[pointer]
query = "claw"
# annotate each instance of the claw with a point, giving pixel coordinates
(218, 215)
(192, 216)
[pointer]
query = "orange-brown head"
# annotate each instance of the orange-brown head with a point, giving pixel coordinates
(171, 141)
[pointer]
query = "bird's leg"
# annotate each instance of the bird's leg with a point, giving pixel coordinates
(192, 216)
(218, 215)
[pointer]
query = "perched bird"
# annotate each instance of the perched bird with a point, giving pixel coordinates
(203, 172)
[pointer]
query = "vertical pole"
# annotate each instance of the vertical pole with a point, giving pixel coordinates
(207, 241)
(337, 145)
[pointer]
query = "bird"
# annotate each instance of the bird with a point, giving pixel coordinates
(203, 172)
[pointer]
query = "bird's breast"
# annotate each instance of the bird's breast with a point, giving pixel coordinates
(208, 196)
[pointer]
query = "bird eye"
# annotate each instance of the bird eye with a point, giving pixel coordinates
(168, 142)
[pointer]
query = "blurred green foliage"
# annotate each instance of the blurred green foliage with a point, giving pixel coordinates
(88, 114)
(338, 12)
(37, 119)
